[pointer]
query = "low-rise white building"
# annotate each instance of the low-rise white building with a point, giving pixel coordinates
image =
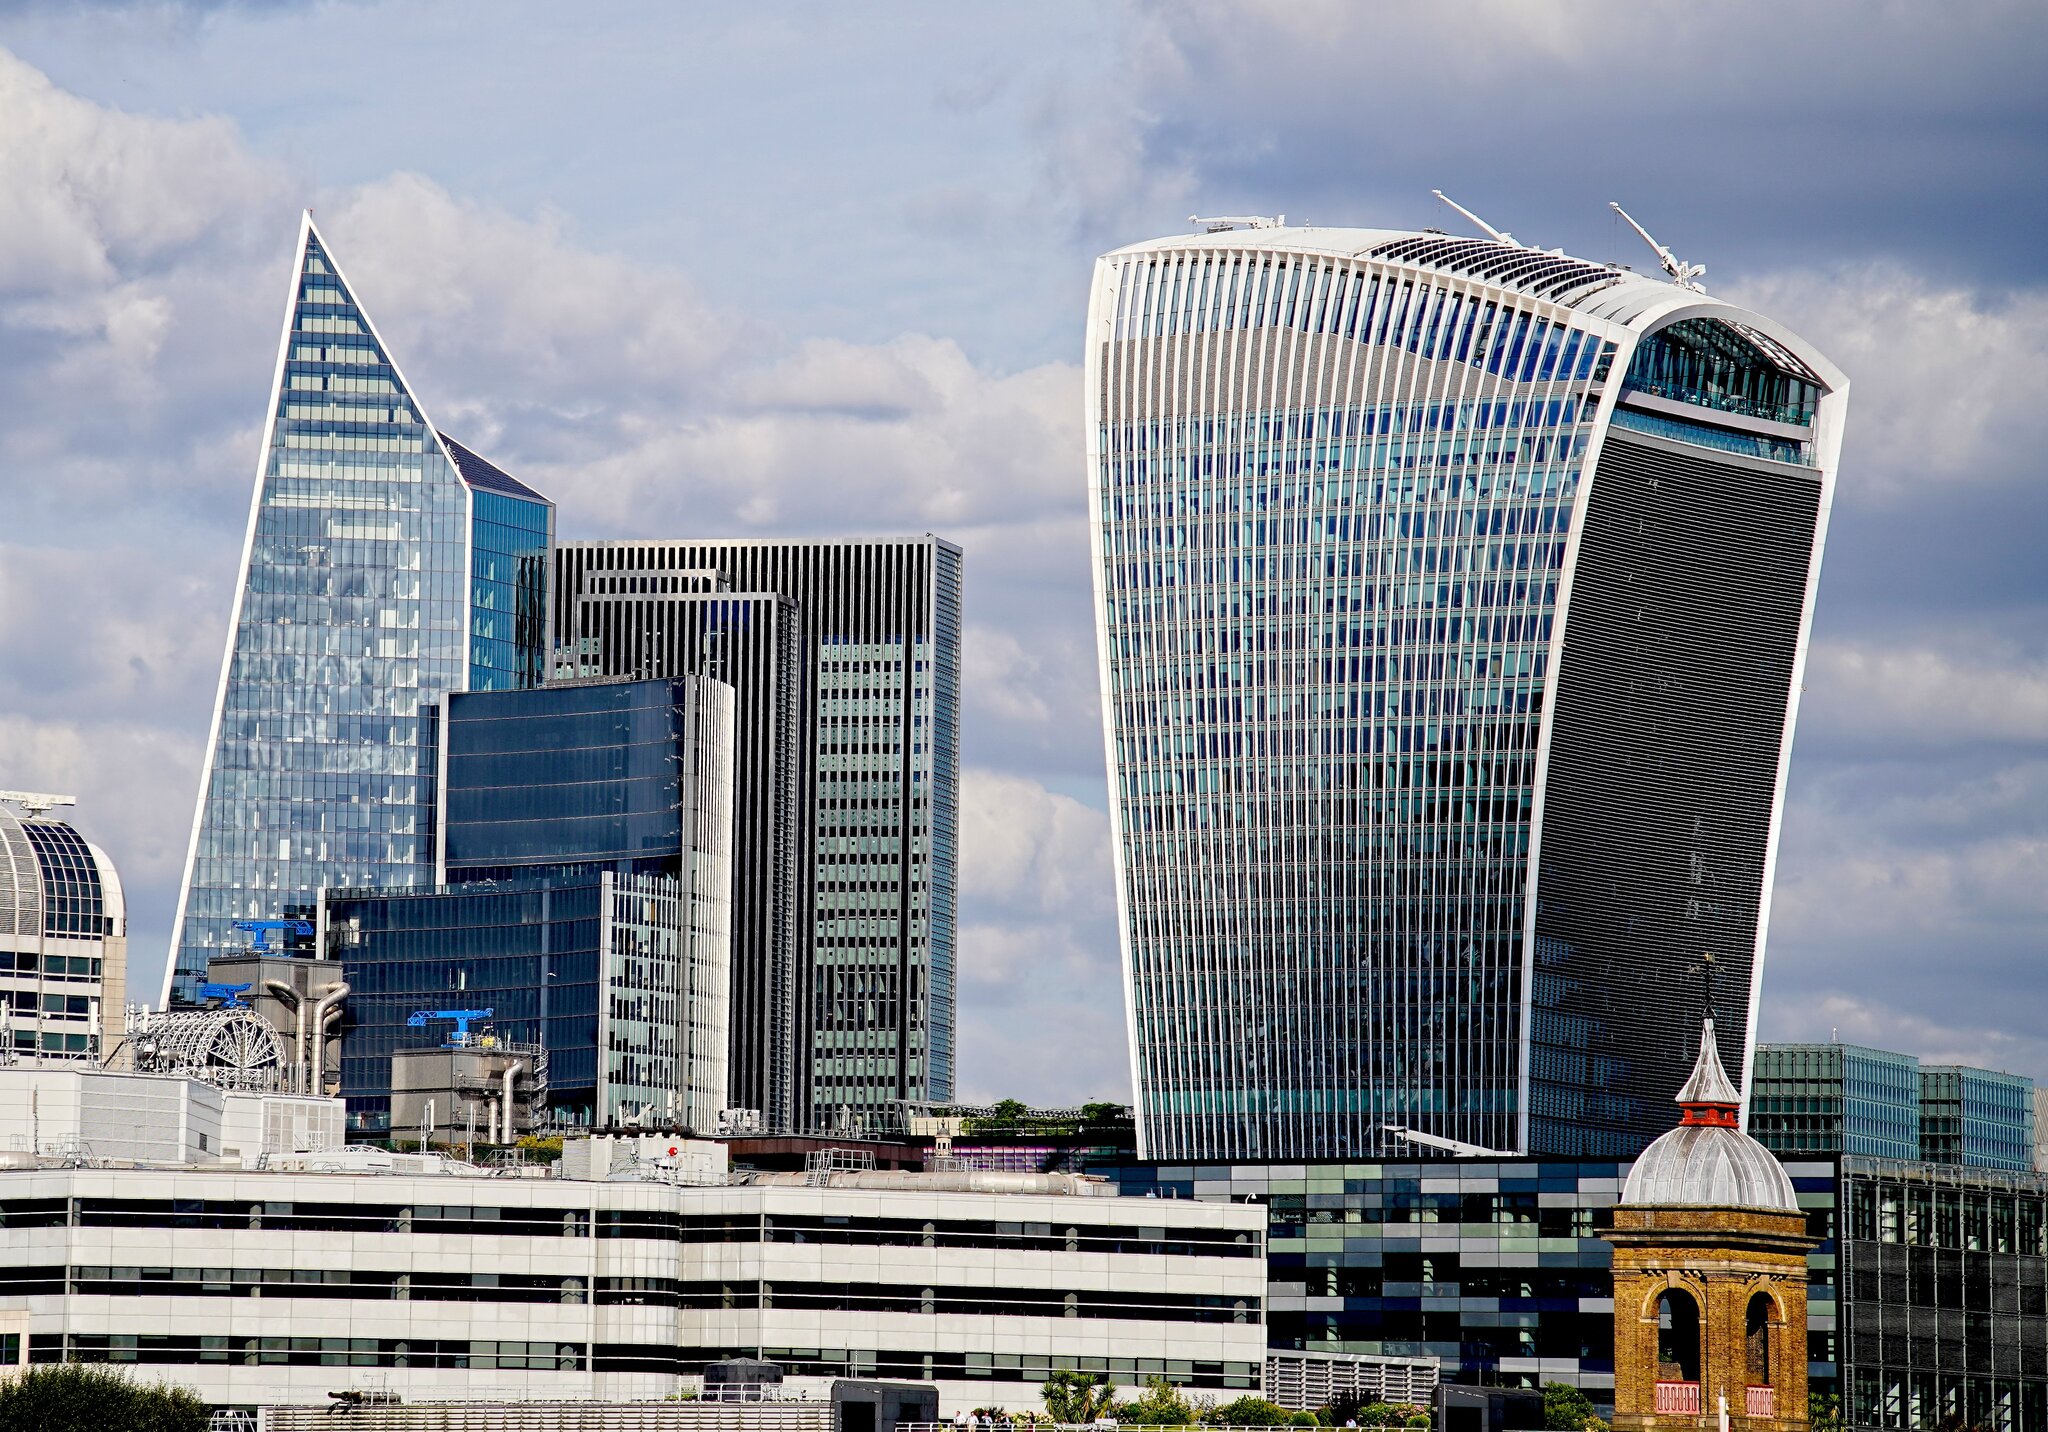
(268, 1287)
(71, 1110)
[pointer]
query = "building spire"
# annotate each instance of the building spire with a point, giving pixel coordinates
(1708, 1097)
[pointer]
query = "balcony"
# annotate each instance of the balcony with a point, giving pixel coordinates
(1679, 1398)
(1760, 1402)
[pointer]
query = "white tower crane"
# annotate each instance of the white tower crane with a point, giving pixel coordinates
(1685, 275)
(1499, 236)
(34, 803)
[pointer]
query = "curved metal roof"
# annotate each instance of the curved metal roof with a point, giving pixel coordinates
(1709, 1164)
(1611, 292)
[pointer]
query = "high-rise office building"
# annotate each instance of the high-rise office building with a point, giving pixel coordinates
(1452, 599)
(1807, 1100)
(635, 623)
(1811, 1100)
(1980, 1118)
(880, 633)
(384, 565)
(63, 939)
(586, 835)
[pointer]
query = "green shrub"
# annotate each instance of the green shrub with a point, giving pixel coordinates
(1250, 1411)
(81, 1397)
(1565, 1408)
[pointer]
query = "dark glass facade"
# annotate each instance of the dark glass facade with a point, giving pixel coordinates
(74, 900)
(879, 626)
(587, 836)
(564, 775)
(385, 566)
(527, 950)
(1496, 1269)
(1944, 1297)
(1447, 705)
(1666, 736)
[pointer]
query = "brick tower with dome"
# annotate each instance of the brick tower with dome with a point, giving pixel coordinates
(1709, 1274)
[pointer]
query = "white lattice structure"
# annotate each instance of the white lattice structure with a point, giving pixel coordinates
(229, 1048)
(1304, 1381)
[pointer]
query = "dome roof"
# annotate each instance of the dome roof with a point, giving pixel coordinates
(1707, 1160)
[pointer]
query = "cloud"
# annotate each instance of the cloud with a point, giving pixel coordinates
(1040, 996)
(1854, 131)
(1945, 378)
(837, 377)
(91, 193)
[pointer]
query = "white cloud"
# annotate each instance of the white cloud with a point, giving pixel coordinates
(141, 273)
(1898, 695)
(1945, 381)
(88, 194)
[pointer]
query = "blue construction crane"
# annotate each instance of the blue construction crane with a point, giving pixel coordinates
(420, 1018)
(261, 930)
(229, 995)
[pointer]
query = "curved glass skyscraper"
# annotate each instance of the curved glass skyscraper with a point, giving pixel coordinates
(385, 565)
(1452, 600)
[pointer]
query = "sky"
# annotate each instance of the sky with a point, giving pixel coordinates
(820, 270)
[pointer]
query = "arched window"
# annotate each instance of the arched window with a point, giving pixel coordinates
(1757, 1327)
(1678, 1337)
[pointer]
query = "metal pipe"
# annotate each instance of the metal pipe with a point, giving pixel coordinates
(316, 1053)
(512, 1071)
(298, 1006)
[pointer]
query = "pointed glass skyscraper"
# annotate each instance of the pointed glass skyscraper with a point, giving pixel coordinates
(384, 565)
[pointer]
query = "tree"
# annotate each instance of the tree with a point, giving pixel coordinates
(1249, 1411)
(80, 1397)
(1566, 1409)
(1077, 1398)
(1161, 1405)
(1824, 1412)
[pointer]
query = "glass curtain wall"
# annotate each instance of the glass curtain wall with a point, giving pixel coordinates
(365, 595)
(1331, 504)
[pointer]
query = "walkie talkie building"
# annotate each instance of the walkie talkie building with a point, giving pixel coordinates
(1452, 599)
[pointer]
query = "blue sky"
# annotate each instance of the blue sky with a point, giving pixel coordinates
(813, 269)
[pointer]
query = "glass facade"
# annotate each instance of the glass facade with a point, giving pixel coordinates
(640, 622)
(1345, 494)
(880, 632)
(1494, 1267)
(1977, 1117)
(374, 581)
(1807, 1100)
(1944, 1288)
(565, 775)
(588, 846)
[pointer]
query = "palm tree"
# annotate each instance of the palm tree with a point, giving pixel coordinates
(1078, 1398)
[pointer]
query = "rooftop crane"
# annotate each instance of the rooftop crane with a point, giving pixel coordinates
(262, 929)
(34, 803)
(1683, 274)
(421, 1018)
(229, 995)
(1499, 236)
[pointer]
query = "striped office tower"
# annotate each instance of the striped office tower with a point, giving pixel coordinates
(1452, 601)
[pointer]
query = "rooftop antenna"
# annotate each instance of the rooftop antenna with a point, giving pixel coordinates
(1499, 236)
(34, 803)
(1685, 275)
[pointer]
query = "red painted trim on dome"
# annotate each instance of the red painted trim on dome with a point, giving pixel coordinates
(1719, 1116)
